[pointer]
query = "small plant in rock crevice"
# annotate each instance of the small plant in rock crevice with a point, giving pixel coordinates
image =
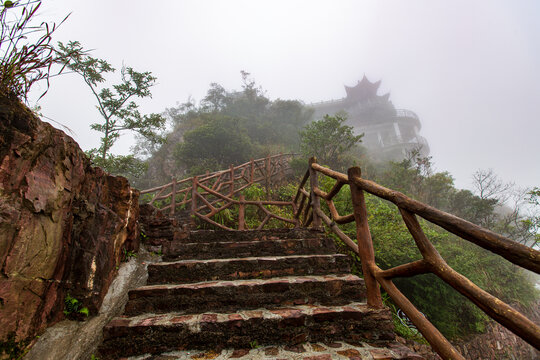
(157, 253)
(73, 308)
(12, 348)
(128, 254)
(403, 329)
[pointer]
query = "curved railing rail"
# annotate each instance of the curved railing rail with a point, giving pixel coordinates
(407, 113)
(309, 212)
(208, 195)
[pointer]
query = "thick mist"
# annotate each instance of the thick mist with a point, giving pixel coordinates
(468, 69)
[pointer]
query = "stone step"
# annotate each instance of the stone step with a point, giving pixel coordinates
(179, 250)
(393, 350)
(155, 334)
(246, 294)
(252, 235)
(190, 271)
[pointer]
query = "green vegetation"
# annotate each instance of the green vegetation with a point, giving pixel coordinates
(128, 254)
(328, 140)
(216, 144)
(402, 329)
(24, 62)
(224, 128)
(12, 348)
(73, 308)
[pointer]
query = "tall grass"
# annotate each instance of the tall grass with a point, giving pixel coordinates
(26, 53)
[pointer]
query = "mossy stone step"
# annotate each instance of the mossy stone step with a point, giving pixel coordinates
(128, 336)
(179, 250)
(189, 271)
(246, 294)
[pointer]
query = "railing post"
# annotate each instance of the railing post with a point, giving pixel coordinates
(315, 200)
(363, 237)
(267, 177)
(279, 167)
(194, 200)
(173, 196)
(231, 187)
(241, 213)
(251, 171)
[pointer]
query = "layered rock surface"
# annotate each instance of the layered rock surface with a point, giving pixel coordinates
(63, 224)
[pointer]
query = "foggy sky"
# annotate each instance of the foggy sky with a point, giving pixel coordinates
(469, 69)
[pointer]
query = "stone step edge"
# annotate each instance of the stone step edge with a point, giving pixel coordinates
(250, 258)
(141, 291)
(193, 321)
(183, 242)
(392, 350)
(278, 232)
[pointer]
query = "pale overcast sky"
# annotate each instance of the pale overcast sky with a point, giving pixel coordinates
(469, 69)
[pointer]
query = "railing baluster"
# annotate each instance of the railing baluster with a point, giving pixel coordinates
(315, 200)
(251, 171)
(241, 209)
(365, 244)
(231, 188)
(194, 200)
(173, 196)
(267, 177)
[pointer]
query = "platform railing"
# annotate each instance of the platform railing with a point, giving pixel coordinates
(309, 213)
(208, 195)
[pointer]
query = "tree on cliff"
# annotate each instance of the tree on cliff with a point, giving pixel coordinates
(116, 106)
(220, 142)
(328, 139)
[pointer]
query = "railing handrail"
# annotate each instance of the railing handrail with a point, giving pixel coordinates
(205, 193)
(146, 191)
(517, 253)
(407, 113)
(432, 262)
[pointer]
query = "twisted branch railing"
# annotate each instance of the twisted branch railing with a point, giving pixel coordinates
(309, 212)
(208, 195)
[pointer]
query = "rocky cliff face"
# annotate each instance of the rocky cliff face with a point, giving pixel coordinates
(500, 343)
(64, 225)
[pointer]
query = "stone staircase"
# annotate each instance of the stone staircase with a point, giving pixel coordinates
(217, 290)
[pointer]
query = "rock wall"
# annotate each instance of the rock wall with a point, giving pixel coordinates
(500, 343)
(64, 225)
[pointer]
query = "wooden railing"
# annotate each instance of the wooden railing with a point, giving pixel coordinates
(208, 195)
(309, 212)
